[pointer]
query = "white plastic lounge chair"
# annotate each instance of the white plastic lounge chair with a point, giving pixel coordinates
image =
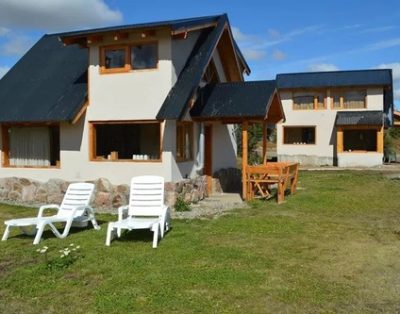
(73, 211)
(146, 209)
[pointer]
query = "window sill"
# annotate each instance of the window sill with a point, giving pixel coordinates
(127, 160)
(31, 167)
(125, 70)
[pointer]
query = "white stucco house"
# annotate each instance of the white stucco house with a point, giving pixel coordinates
(335, 118)
(116, 102)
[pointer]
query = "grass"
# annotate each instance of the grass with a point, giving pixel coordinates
(331, 248)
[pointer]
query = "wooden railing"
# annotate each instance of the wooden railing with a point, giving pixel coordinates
(260, 178)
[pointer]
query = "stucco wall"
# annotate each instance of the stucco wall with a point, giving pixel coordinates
(136, 95)
(324, 150)
(355, 160)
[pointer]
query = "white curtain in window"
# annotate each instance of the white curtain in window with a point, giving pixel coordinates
(29, 146)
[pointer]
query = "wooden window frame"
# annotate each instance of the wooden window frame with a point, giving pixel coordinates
(93, 137)
(128, 62)
(315, 101)
(379, 138)
(341, 92)
(299, 127)
(182, 125)
(5, 152)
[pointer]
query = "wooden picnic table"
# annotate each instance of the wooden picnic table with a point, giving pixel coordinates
(260, 178)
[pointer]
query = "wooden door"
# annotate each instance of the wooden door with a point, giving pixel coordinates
(208, 156)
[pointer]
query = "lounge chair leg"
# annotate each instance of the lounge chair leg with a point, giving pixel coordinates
(38, 234)
(6, 233)
(110, 230)
(156, 228)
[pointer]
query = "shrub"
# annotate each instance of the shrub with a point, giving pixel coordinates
(181, 205)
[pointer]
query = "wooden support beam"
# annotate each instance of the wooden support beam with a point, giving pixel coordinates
(380, 140)
(339, 140)
(148, 33)
(244, 159)
(264, 147)
(94, 39)
(119, 36)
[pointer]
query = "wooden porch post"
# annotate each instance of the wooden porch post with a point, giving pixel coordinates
(264, 147)
(339, 138)
(380, 140)
(244, 159)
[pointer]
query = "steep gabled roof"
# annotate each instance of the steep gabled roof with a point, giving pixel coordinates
(48, 84)
(188, 81)
(234, 100)
(335, 79)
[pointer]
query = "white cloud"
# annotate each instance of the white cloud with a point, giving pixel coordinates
(273, 33)
(3, 70)
(4, 31)
(253, 54)
(16, 46)
(322, 67)
(278, 55)
(394, 42)
(378, 29)
(57, 15)
(395, 66)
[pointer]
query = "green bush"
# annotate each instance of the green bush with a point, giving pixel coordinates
(181, 205)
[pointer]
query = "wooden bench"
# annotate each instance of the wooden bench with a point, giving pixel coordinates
(261, 177)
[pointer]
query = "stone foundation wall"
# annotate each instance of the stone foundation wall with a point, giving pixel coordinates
(108, 197)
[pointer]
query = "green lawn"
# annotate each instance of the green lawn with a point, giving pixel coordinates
(332, 247)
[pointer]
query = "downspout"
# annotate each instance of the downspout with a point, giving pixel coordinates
(200, 151)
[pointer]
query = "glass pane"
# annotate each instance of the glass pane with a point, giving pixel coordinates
(144, 56)
(354, 100)
(303, 102)
(359, 140)
(320, 101)
(301, 135)
(128, 141)
(114, 58)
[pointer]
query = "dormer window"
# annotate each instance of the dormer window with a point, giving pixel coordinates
(125, 58)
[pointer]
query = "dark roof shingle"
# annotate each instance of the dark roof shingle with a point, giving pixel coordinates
(334, 79)
(347, 118)
(234, 100)
(177, 99)
(49, 83)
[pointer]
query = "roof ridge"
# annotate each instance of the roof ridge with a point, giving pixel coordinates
(338, 71)
(159, 23)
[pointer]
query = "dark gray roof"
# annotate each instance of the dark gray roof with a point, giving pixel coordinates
(188, 81)
(234, 100)
(49, 83)
(344, 118)
(335, 79)
(174, 25)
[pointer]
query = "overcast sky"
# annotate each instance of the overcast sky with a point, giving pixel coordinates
(275, 36)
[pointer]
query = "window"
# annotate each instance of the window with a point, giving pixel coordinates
(349, 99)
(299, 135)
(144, 56)
(140, 141)
(360, 140)
(124, 58)
(184, 140)
(308, 101)
(36, 146)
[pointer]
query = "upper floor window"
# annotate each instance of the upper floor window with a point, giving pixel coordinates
(308, 101)
(349, 99)
(124, 58)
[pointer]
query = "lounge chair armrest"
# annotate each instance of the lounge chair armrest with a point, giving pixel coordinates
(122, 212)
(166, 215)
(43, 207)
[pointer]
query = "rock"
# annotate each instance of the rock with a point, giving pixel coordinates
(55, 198)
(103, 185)
(170, 198)
(122, 189)
(28, 193)
(119, 200)
(24, 182)
(103, 199)
(14, 196)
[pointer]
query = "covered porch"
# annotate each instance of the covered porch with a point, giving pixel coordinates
(245, 104)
